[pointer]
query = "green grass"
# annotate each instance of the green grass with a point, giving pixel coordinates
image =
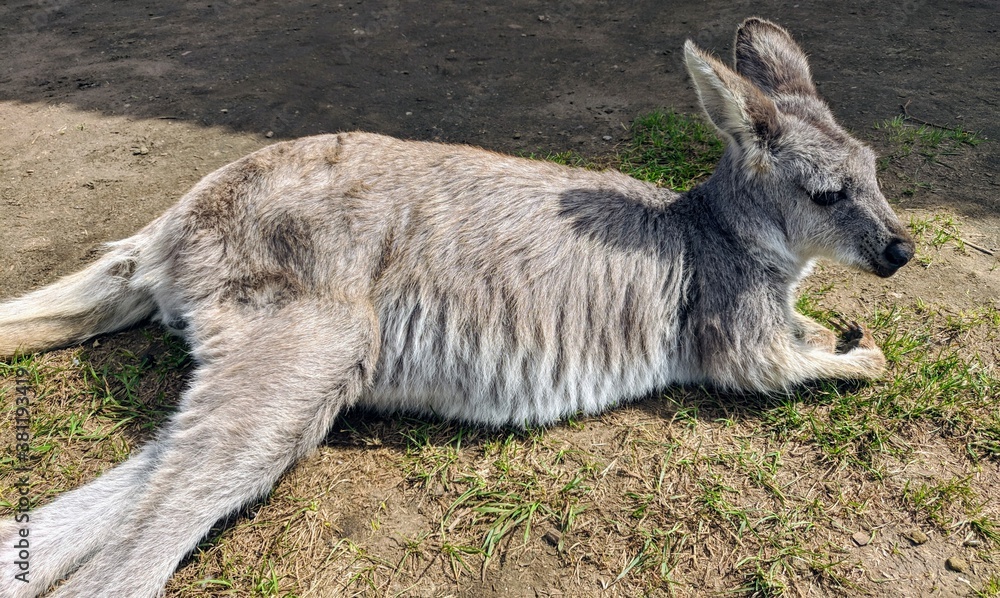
(987, 441)
(990, 589)
(913, 146)
(570, 158)
(128, 387)
(666, 148)
(935, 233)
(935, 500)
(671, 150)
(928, 141)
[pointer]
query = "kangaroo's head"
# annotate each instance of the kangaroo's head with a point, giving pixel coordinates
(814, 183)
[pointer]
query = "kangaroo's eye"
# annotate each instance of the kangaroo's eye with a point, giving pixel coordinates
(828, 198)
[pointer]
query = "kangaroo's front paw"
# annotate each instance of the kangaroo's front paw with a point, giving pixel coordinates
(821, 338)
(852, 336)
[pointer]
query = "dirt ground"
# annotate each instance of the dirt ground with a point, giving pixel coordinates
(110, 110)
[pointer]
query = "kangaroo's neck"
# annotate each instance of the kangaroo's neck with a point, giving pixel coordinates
(729, 210)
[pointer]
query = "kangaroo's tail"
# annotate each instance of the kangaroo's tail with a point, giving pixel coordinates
(101, 298)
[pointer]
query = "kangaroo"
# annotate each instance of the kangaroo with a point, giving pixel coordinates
(356, 269)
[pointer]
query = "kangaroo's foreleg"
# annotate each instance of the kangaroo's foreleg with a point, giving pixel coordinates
(853, 356)
(786, 358)
(813, 333)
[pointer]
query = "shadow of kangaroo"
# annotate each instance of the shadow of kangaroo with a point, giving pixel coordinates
(355, 269)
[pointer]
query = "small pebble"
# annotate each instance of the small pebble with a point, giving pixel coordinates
(957, 564)
(861, 538)
(917, 537)
(269, 134)
(972, 543)
(607, 138)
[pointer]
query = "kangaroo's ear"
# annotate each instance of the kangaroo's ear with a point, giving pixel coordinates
(737, 107)
(767, 55)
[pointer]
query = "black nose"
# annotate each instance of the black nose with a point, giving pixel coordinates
(898, 252)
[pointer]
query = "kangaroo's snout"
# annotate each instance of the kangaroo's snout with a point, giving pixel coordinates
(896, 254)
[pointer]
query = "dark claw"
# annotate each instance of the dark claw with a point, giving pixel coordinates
(838, 324)
(850, 333)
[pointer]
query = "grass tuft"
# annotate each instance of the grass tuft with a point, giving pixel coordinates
(671, 150)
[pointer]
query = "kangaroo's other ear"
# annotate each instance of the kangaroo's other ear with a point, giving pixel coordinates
(767, 55)
(737, 107)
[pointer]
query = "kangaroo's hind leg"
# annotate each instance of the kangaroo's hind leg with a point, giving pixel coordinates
(266, 394)
(66, 532)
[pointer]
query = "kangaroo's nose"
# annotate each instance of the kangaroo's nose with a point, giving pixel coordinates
(898, 252)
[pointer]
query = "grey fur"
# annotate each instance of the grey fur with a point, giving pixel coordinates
(357, 269)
